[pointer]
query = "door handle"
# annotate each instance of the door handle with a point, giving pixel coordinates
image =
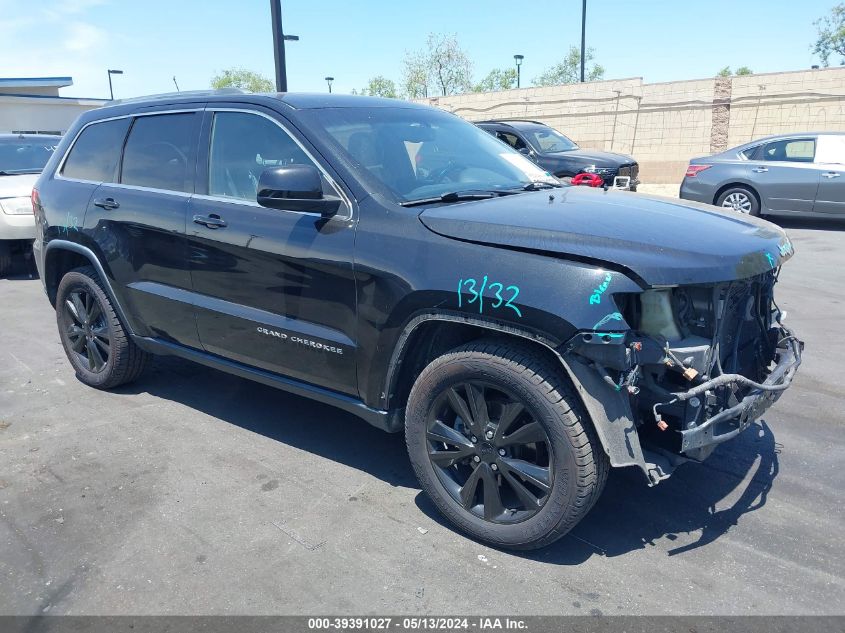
(107, 203)
(760, 170)
(831, 174)
(212, 221)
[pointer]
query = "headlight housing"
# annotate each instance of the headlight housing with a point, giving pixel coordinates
(16, 206)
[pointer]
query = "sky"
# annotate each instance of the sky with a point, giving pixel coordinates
(155, 40)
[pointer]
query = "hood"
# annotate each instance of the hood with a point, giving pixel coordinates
(18, 185)
(663, 241)
(601, 159)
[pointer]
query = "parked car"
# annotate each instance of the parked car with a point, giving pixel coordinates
(559, 155)
(790, 175)
(525, 336)
(22, 157)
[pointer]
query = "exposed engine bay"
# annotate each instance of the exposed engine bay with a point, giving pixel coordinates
(699, 363)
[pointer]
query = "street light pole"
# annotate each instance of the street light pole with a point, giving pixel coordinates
(110, 73)
(329, 81)
(518, 59)
(583, 37)
(279, 39)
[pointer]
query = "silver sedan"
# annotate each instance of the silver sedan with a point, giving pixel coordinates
(789, 175)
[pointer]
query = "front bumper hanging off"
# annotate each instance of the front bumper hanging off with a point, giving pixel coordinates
(731, 422)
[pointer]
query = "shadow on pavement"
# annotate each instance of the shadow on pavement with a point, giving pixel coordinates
(822, 224)
(299, 422)
(695, 506)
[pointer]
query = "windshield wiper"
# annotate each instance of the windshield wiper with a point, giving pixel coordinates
(536, 186)
(456, 196)
(18, 172)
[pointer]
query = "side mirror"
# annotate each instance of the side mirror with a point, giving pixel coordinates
(526, 152)
(295, 188)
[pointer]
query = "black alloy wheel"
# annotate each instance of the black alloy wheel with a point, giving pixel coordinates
(489, 453)
(87, 330)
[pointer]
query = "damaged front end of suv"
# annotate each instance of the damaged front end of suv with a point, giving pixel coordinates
(691, 366)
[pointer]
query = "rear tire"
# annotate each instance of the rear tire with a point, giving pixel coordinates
(740, 199)
(534, 445)
(5, 257)
(99, 349)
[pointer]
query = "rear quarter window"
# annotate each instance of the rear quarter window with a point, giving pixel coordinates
(96, 152)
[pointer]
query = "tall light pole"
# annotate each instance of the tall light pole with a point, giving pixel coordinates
(329, 81)
(113, 72)
(279, 39)
(583, 37)
(518, 59)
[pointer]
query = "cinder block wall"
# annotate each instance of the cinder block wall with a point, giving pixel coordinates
(664, 125)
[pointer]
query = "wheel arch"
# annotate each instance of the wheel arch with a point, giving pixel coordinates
(742, 185)
(62, 256)
(428, 336)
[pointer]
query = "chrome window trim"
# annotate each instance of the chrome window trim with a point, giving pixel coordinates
(57, 174)
(338, 190)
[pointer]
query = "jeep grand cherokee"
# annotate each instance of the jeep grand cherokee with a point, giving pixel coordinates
(525, 336)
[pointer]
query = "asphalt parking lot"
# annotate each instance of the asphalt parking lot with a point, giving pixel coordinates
(194, 492)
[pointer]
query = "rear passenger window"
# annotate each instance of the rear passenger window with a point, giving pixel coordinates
(96, 152)
(158, 152)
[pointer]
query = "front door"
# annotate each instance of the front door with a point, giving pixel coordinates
(784, 174)
(273, 288)
(830, 162)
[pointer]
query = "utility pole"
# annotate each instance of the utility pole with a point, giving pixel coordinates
(583, 37)
(279, 39)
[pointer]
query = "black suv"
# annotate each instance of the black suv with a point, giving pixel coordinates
(559, 155)
(524, 335)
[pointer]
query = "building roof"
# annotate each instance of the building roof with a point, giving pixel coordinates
(35, 82)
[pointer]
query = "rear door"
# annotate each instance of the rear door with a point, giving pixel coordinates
(830, 161)
(138, 223)
(274, 288)
(784, 174)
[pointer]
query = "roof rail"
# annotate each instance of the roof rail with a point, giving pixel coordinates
(184, 93)
(511, 120)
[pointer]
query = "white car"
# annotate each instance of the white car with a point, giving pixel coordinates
(22, 157)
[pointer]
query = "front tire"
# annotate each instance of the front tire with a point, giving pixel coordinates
(5, 257)
(502, 446)
(740, 199)
(99, 349)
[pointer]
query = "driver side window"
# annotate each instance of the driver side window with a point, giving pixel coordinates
(511, 139)
(242, 146)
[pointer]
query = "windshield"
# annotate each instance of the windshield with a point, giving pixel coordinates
(424, 153)
(25, 156)
(546, 139)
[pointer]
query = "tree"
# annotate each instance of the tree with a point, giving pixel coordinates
(415, 76)
(441, 65)
(569, 70)
(831, 35)
(449, 66)
(727, 72)
(243, 79)
(497, 79)
(381, 86)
